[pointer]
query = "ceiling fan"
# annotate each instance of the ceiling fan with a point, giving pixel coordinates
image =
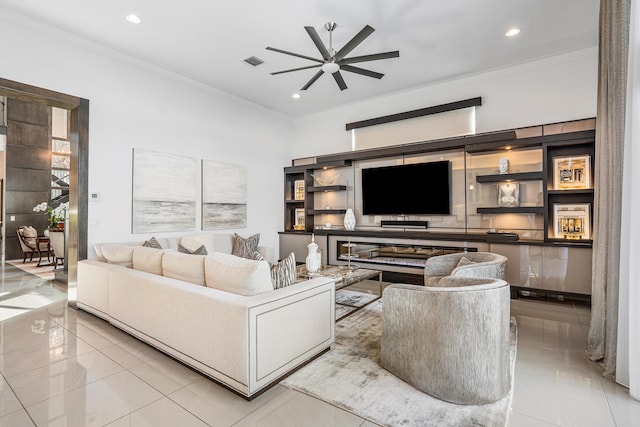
(333, 62)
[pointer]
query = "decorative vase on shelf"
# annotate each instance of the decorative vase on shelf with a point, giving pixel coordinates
(313, 256)
(349, 220)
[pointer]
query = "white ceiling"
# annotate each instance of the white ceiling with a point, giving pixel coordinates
(208, 40)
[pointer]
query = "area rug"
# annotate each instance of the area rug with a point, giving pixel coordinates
(349, 301)
(45, 272)
(350, 377)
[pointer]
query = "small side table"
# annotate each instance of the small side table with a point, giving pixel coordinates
(39, 240)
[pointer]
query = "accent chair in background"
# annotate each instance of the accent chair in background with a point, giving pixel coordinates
(27, 236)
(464, 264)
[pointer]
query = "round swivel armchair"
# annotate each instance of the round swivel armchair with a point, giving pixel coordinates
(449, 341)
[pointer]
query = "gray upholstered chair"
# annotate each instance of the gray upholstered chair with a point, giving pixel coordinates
(476, 264)
(451, 341)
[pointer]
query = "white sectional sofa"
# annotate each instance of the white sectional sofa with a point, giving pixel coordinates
(246, 342)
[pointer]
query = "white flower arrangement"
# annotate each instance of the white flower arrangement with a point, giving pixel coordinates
(56, 214)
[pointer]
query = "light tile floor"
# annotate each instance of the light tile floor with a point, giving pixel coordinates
(65, 367)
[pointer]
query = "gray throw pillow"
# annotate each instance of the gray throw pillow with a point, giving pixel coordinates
(245, 247)
(200, 251)
(284, 272)
(464, 261)
(152, 243)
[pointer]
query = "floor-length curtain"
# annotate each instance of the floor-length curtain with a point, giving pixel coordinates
(612, 71)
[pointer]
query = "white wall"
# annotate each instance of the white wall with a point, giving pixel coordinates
(551, 90)
(137, 105)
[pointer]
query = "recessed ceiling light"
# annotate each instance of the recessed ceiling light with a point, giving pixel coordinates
(296, 96)
(133, 18)
(512, 32)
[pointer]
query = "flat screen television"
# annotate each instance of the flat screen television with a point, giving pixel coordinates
(417, 189)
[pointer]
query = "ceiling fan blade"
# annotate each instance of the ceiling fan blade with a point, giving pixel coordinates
(295, 54)
(296, 69)
(355, 41)
(373, 57)
(362, 71)
(338, 78)
(313, 80)
(316, 40)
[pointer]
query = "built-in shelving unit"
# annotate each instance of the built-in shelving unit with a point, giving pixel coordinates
(540, 260)
(299, 214)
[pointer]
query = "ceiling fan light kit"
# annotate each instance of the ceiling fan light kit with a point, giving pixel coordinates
(333, 62)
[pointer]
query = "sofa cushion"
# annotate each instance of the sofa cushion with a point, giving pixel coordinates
(198, 251)
(193, 242)
(120, 254)
(152, 243)
(284, 272)
(189, 268)
(237, 275)
(148, 259)
(245, 247)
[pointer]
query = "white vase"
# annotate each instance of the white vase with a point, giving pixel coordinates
(313, 257)
(349, 220)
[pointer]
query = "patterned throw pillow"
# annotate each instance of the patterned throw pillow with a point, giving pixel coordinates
(200, 251)
(284, 273)
(152, 243)
(29, 233)
(257, 256)
(245, 247)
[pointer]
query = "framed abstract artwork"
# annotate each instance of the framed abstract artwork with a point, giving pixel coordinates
(224, 195)
(164, 192)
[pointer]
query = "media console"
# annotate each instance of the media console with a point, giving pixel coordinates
(545, 269)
